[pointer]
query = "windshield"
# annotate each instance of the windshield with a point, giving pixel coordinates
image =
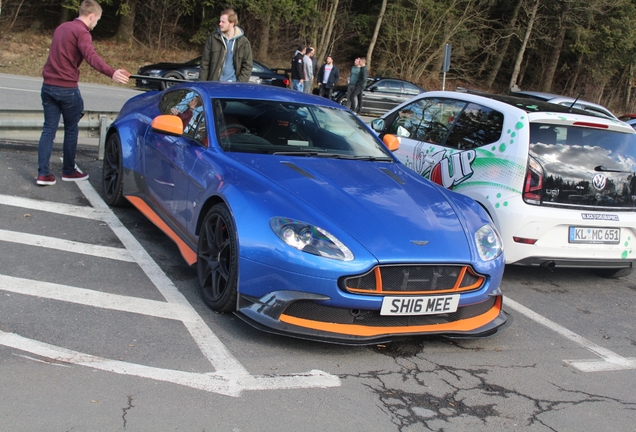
(274, 127)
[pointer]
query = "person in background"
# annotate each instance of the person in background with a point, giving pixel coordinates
(227, 54)
(362, 83)
(71, 45)
(297, 69)
(308, 67)
(351, 88)
(328, 77)
(187, 114)
(314, 62)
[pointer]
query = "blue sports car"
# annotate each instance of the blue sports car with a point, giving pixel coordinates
(299, 219)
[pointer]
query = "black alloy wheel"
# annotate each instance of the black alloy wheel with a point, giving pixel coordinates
(217, 263)
(112, 173)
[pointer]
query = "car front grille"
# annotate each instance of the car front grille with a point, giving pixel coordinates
(414, 280)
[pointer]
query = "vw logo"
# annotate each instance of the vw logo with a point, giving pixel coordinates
(599, 181)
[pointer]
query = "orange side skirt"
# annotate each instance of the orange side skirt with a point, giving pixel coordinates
(188, 254)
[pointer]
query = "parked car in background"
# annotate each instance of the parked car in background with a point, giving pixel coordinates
(567, 101)
(189, 70)
(298, 218)
(380, 94)
(559, 183)
(627, 117)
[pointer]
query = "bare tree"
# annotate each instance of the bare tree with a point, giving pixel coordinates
(517, 67)
(503, 49)
(374, 38)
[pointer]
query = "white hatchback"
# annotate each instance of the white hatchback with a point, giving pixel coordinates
(559, 183)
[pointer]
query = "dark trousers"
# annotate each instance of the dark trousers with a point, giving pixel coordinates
(67, 103)
(324, 90)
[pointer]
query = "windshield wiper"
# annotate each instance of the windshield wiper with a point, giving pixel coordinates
(297, 153)
(334, 155)
(601, 168)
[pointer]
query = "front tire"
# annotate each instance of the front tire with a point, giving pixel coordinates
(170, 75)
(342, 100)
(113, 173)
(217, 263)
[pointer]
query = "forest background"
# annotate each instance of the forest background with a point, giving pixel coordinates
(576, 48)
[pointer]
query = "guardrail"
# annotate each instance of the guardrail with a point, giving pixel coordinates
(27, 125)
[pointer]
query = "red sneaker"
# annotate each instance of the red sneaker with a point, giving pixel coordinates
(75, 176)
(46, 180)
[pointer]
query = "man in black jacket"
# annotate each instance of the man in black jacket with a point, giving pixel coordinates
(297, 70)
(328, 77)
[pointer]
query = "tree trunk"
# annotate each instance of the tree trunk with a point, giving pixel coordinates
(517, 68)
(374, 38)
(325, 44)
(126, 26)
(553, 60)
(263, 43)
(64, 14)
(504, 47)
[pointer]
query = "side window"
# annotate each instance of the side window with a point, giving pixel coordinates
(411, 89)
(188, 106)
(427, 120)
(476, 126)
(389, 86)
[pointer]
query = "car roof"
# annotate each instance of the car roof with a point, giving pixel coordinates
(227, 90)
(537, 110)
(559, 99)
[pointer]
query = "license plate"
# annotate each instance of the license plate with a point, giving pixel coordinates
(594, 235)
(428, 305)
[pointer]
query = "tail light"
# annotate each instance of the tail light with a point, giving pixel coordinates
(286, 82)
(533, 185)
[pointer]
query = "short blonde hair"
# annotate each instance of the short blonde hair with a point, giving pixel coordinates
(232, 17)
(90, 7)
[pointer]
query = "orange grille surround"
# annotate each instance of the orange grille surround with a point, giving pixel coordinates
(414, 280)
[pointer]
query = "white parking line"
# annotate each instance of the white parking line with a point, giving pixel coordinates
(211, 382)
(66, 245)
(230, 377)
(610, 362)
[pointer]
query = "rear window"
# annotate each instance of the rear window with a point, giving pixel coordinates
(584, 166)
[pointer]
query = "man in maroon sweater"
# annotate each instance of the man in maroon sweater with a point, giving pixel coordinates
(72, 43)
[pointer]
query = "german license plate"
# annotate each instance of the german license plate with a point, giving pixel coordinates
(594, 235)
(424, 305)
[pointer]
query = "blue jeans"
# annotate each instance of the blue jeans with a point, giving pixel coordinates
(297, 85)
(68, 103)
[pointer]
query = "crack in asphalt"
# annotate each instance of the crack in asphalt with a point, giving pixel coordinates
(412, 395)
(126, 409)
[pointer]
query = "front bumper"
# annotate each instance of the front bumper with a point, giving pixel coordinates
(301, 314)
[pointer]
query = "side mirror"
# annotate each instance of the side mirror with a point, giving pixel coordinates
(377, 125)
(168, 124)
(391, 141)
(372, 89)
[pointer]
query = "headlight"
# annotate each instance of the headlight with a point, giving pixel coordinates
(310, 239)
(154, 72)
(488, 243)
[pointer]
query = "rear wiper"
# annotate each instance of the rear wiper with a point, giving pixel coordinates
(601, 168)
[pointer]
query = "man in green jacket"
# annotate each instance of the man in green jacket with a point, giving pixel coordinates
(227, 54)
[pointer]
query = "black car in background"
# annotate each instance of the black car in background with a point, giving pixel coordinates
(380, 94)
(189, 70)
